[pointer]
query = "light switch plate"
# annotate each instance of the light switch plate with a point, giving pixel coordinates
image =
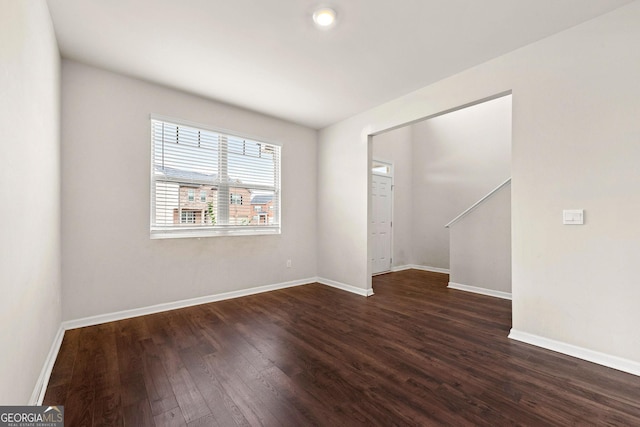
(573, 216)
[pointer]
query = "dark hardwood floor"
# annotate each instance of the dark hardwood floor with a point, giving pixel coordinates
(416, 353)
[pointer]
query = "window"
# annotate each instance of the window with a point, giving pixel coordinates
(188, 217)
(230, 171)
(381, 168)
(258, 208)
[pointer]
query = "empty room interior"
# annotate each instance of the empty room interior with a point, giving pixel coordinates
(321, 213)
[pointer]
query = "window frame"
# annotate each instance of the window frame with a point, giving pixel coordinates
(208, 230)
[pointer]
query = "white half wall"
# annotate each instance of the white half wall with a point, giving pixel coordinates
(30, 282)
(576, 145)
(481, 245)
(110, 263)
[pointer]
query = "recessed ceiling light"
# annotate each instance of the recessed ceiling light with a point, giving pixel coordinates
(324, 17)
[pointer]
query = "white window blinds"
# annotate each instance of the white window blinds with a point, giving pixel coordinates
(230, 174)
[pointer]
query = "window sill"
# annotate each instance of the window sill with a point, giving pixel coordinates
(184, 233)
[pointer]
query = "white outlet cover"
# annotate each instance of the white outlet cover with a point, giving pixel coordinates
(573, 216)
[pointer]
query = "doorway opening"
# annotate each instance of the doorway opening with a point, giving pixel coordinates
(442, 165)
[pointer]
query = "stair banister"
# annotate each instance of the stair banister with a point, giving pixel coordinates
(476, 204)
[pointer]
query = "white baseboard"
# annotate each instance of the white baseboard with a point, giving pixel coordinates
(482, 291)
(421, 268)
(624, 365)
(345, 287)
(43, 380)
(126, 314)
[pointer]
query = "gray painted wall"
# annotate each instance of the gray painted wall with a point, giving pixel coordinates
(110, 263)
(30, 192)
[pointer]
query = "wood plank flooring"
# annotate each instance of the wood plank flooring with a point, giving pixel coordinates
(415, 353)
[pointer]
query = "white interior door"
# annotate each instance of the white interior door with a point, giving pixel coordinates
(381, 201)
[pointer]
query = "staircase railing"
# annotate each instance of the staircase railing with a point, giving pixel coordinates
(478, 203)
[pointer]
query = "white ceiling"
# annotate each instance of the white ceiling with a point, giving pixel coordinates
(267, 56)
